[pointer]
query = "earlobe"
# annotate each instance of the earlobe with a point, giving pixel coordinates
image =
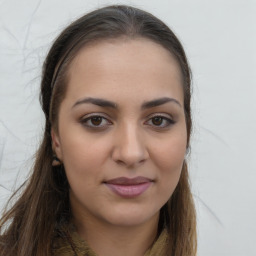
(56, 146)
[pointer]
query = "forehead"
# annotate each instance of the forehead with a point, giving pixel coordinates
(111, 67)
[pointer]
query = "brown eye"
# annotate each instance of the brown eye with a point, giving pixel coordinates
(96, 120)
(158, 120)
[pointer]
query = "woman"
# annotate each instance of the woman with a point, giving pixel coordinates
(110, 177)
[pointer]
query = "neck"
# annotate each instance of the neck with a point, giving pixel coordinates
(109, 240)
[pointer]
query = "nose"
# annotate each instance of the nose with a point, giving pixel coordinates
(129, 146)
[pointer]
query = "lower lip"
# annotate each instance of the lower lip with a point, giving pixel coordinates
(129, 191)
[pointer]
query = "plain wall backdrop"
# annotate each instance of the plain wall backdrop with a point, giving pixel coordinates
(220, 40)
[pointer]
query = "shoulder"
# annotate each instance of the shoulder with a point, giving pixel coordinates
(67, 242)
(60, 245)
(159, 246)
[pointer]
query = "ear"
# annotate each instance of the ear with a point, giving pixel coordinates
(56, 146)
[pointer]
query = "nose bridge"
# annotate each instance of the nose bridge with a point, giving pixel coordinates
(129, 148)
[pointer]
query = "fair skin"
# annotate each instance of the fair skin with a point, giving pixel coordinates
(123, 154)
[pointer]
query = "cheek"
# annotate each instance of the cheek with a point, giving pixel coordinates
(170, 153)
(169, 158)
(83, 156)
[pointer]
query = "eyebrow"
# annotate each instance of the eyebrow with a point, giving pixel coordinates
(96, 101)
(110, 104)
(158, 102)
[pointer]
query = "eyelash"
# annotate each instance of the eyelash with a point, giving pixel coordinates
(168, 121)
(84, 121)
(91, 126)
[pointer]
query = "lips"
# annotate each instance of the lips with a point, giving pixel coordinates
(128, 188)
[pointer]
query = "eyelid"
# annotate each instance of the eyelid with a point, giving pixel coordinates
(166, 117)
(87, 117)
(101, 114)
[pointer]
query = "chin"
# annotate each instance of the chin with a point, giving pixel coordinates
(130, 217)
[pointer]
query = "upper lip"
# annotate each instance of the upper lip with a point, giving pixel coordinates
(128, 181)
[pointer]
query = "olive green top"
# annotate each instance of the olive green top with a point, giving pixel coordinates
(71, 244)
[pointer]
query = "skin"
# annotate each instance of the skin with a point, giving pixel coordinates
(126, 141)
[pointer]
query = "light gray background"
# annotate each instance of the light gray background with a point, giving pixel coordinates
(219, 38)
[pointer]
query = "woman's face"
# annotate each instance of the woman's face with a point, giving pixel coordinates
(122, 131)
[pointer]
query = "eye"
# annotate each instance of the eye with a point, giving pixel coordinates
(95, 121)
(160, 121)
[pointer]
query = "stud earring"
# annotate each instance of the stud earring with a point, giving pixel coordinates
(56, 161)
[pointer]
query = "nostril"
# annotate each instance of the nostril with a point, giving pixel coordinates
(130, 163)
(120, 162)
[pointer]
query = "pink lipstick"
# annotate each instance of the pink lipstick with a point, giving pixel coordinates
(128, 188)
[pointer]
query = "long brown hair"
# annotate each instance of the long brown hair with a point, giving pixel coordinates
(29, 226)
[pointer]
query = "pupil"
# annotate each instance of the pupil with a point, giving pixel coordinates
(96, 120)
(157, 120)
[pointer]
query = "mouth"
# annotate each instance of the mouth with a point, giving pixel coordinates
(129, 187)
